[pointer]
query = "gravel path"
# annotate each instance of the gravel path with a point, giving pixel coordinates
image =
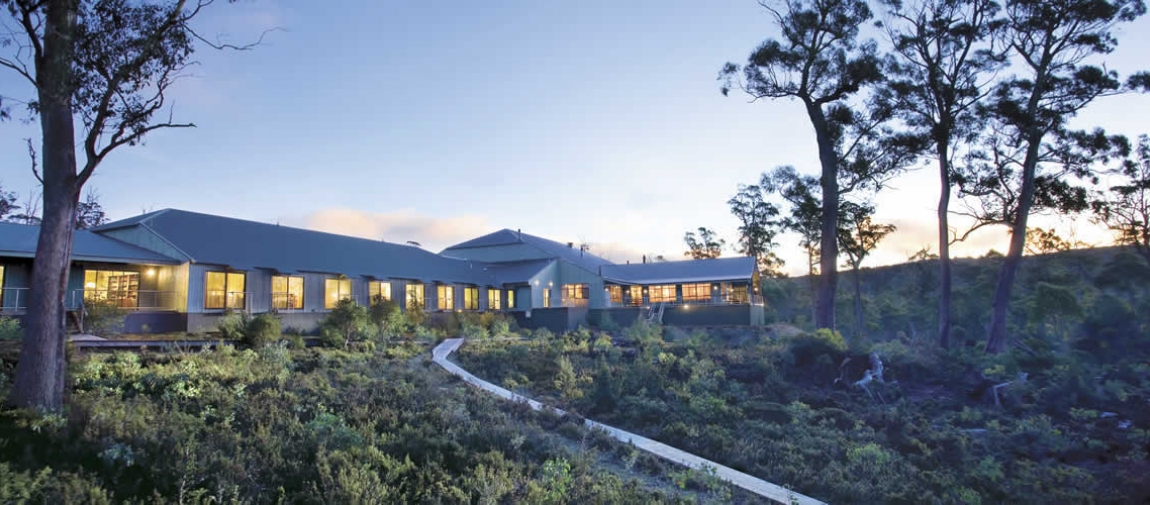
(748, 482)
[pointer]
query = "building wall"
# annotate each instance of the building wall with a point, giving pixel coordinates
(558, 320)
(695, 315)
(17, 274)
(509, 252)
(569, 273)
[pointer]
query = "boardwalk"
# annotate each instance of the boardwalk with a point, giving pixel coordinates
(748, 482)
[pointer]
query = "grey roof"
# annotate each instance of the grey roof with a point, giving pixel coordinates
(555, 249)
(19, 241)
(517, 272)
(670, 272)
(246, 245)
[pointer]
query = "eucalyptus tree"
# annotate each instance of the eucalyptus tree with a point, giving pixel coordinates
(1031, 159)
(820, 62)
(858, 236)
(706, 245)
(1124, 207)
(758, 226)
(944, 57)
(108, 64)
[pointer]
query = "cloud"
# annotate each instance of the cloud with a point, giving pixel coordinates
(432, 233)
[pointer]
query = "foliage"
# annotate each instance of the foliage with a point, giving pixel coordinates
(261, 330)
(103, 317)
(758, 226)
(387, 316)
(1125, 207)
(705, 246)
(348, 322)
(309, 426)
(10, 329)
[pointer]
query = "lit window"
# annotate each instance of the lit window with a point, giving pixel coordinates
(445, 297)
(287, 292)
(616, 293)
(414, 294)
(575, 291)
(546, 298)
(470, 298)
(696, 292)
(734, 293)
(122, 289)
(379, 291)
(664, 293)
(225, 290)
(493, 301)
(636, 295)
(335, 290)
(511, 298)
(1, 285)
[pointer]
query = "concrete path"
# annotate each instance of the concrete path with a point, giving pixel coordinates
(748, 482)
(84, 337)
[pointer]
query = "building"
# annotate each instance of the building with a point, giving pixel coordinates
(176, 270)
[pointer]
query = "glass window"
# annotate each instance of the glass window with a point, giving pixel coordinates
(2, 285)
(470, 298)
(493, 299)
(511, 298)
(445, 297)
(335, 290)
(379, 290)
(225, 290)
(636, 295)
(616, 293)
(575, 291)
(120, 288)
(663, 293)
(733, 293)
(697, 292)
(287, 292)
(546, 298)
(414, 294)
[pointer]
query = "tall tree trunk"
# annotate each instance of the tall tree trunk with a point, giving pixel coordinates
(996, 341)
(828, 246)
(40, 373)
(858, 303)
(944, 244)
(814, 284)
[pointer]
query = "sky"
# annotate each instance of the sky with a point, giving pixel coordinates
(437, 121)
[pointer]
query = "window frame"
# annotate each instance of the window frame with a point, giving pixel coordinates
(328, 302)
(636, 290)
(445, 297)
(470, 297)
(615, 294)
(662, 289)
(419, 290)
(697, 292)
(299, 305)
(546, 298)
(375, 289)
(511, 299)
(494, 299)
(229, 298)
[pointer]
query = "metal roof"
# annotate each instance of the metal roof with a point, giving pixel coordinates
(672, 272)
(246, 245)
(19, 241)
(518, 272)
(555, 249)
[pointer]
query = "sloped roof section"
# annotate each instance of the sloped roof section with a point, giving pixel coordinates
(673, 272)
(246, 245)
(19, 241)
(517, 272)
(552, 248)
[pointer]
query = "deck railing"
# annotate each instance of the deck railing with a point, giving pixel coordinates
(16, 299)
(749, 299)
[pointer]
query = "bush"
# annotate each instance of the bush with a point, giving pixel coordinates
(474, 331)
(386, 316)
(345, 324)
(103, 317)
(807, 347)
(9, 329)
(261, 330)
(232, 325)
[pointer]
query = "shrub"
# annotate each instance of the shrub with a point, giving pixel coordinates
(261, 330)
(386, 316)
(807, 347)
(9, 328)
(345, 324)
(542, 334)
(103, 317)
(474, 331)
(607, 323)
(232, 325)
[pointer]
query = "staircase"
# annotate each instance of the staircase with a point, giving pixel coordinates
(656, 313)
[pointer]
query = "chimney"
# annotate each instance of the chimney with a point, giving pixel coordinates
(520, 233)
(570, 245)
(644, 259)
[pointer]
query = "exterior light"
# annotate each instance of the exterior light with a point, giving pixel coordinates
(151, 272)
(685, 306)
(549, 283)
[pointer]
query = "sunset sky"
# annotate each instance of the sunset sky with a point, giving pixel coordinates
(436, 121)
